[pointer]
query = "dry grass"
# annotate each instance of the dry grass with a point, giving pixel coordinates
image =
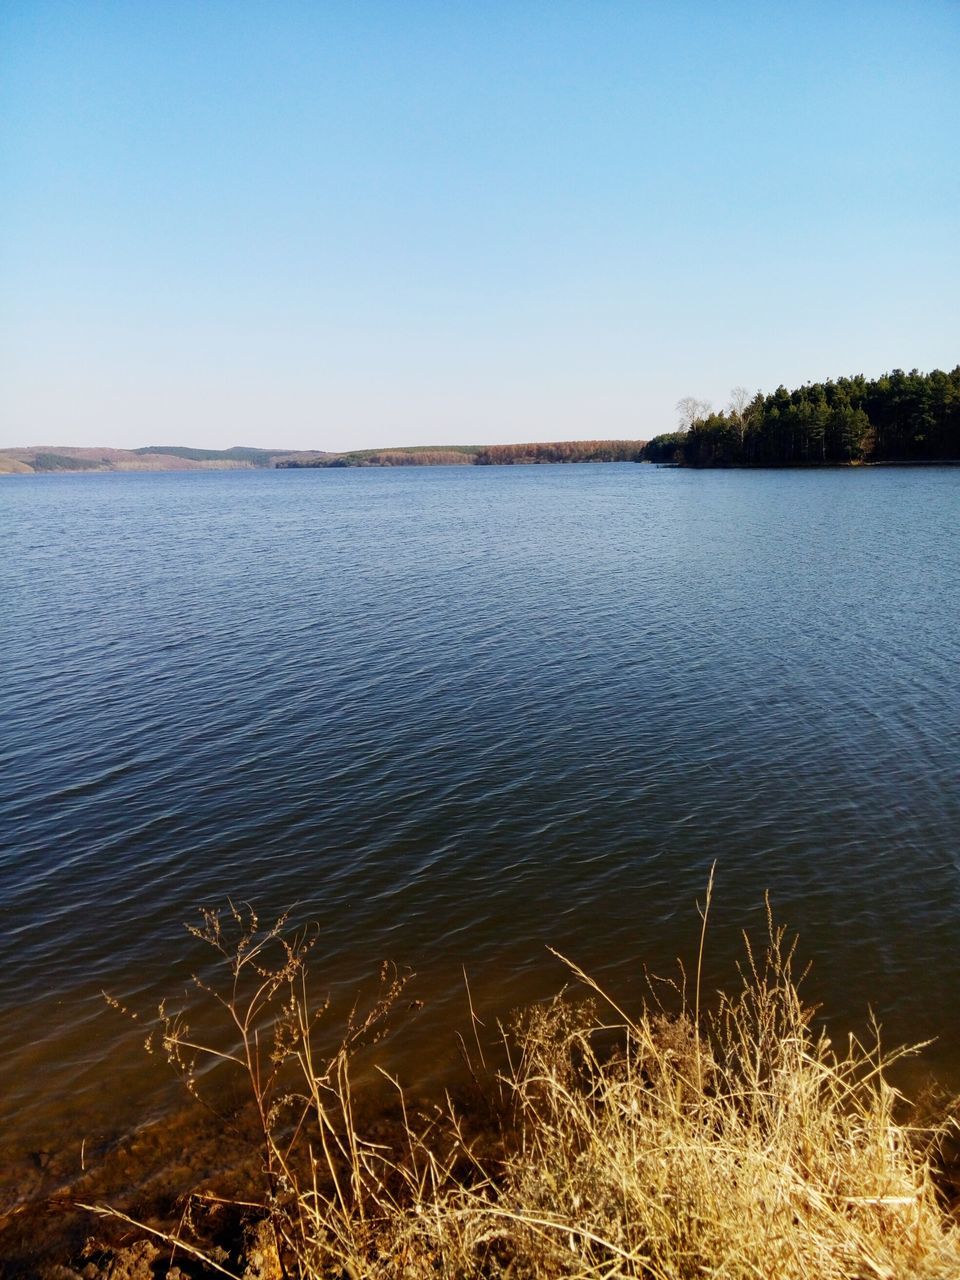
(739, 1144)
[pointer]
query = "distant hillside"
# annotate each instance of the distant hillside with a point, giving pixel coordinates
(426, 455)
(255, 457)
(175, 457)
(47, 458)
(48, 461)
(12, 466)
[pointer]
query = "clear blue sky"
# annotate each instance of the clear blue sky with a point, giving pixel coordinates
(333, 225)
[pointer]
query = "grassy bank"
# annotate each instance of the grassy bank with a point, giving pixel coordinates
(672, 1142)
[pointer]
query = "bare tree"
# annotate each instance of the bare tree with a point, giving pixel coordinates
(737, 409)
(739, 399)
(692, 411)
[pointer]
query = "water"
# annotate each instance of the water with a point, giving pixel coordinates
(457, 714)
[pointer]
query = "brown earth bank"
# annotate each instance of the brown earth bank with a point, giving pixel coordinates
(184, 1197)
(727, 1138)
(195, 1175)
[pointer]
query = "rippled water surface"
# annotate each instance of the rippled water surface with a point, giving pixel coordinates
(455, 714)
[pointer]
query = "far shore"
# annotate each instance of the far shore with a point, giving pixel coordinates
(59, 459)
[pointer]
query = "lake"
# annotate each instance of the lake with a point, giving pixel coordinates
(456, 715)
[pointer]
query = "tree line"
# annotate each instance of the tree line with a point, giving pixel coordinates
(480, 455)
(561, 451)
(898, 417)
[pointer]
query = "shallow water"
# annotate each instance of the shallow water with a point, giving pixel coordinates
(456, 714)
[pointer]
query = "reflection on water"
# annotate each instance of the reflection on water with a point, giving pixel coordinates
(457, 714)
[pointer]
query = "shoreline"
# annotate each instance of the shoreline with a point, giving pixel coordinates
(393, 466)
(201, 1174)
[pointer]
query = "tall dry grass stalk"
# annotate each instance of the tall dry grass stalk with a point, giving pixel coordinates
(743, 1144)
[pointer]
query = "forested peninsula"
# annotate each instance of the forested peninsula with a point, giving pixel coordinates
(898, 417)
